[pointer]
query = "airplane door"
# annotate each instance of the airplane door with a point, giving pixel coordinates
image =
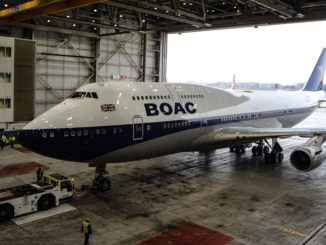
(203, 120)
(138, 128)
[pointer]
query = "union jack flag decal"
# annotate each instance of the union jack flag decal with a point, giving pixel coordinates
(108, 107)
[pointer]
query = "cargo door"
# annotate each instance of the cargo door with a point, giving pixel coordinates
(138, 128)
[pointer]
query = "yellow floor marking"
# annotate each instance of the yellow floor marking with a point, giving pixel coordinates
(293, 231)
(318, 205)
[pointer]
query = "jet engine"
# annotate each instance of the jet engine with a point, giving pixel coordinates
(310, 155)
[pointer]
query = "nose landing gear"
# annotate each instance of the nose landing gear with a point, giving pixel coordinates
(101, 182)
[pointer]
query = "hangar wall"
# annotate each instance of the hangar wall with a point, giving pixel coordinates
(64, 63)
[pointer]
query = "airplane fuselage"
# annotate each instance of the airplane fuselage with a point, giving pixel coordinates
(121, 121)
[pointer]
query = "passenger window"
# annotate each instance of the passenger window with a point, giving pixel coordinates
(114, 130)
(98, 131)
(72, 133)
(51, 134)
(44, 134)
(154, 97)
(119, 130)
(146, 97)
(162, 97)
(94, 95)
(137, 97)
(150, 97)
(148, 127)
(133, 98)
(85, 132)
(66, 133)
(142, 97)
(165, 97)
(103, 131)
(79, 133)
(88, 95)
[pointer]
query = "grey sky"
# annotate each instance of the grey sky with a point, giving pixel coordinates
(281, 53)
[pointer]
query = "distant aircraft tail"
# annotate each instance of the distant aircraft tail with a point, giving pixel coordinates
(315, 82)
(233, 83)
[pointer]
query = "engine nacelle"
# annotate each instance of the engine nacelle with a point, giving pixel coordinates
(310, 155)
(307, 158)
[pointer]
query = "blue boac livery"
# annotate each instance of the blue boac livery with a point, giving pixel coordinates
(167, 109)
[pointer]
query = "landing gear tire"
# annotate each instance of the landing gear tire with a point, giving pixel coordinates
(6, 212)
(102, 183)
(279, 157)
(105, 184)
(254, 150)
(46, 202)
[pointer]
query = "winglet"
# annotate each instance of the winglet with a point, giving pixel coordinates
(315, 82)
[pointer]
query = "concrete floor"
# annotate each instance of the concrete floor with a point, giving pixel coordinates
(240, 196)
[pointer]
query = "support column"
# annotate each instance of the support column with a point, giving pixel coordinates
(144, 56)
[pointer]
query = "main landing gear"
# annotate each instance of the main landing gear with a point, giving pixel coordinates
(273, 156)
(239, 148)
(101, 182)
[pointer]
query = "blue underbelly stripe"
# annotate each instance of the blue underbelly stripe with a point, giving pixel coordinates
(104, 139)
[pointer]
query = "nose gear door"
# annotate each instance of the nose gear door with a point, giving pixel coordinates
(138, 128)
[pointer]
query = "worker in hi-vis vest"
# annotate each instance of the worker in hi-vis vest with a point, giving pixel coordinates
(87, 230)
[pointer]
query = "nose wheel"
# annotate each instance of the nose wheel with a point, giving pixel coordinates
(101, 181)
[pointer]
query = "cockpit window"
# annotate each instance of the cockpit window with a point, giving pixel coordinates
(84, 95)
(94, 95)
(78, 95)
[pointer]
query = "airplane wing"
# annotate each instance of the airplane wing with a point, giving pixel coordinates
(249, 134)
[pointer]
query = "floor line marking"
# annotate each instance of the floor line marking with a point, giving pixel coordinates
(292, 231)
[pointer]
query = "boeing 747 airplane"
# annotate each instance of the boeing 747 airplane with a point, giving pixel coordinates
(127, 121)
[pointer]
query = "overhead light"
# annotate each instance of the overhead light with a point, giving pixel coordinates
(93, 21)
(143, 20)
(184, 3)
(238, 11)
(121, 15)
(94, 28)
(179, 14)
(6, 5)
(74, 25)
(223, 3)
(213, 10)
(167, 11)
(115, 24)
(155, 8)
(190, 4)
(49, 21)
(95, 10)
(68, 16)
(235, 7)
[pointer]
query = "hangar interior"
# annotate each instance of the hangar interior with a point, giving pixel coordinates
(84, 41)
(49, 48)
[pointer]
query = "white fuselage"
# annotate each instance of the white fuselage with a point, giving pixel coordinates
(131, 121)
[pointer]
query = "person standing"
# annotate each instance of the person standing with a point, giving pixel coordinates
(12, 140)
(86, 229)
(39, 174)
(2, 141)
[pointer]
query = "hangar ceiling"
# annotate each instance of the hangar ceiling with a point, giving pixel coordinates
(116, 16)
